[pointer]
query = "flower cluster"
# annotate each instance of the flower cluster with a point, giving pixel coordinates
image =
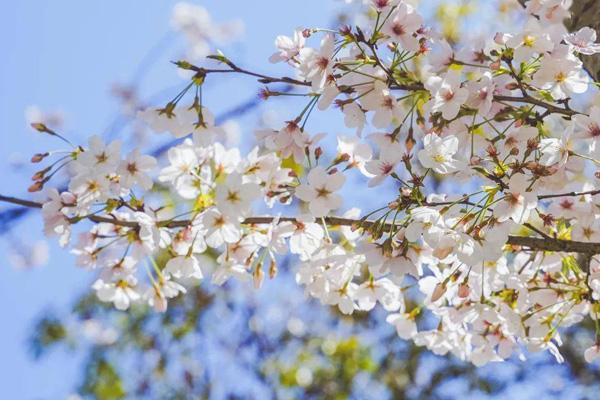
(495, 267)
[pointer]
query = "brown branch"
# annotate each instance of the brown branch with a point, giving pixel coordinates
(532, 100)
(533, 243)
(417, 86)
(567, 246)
(20, 202)
(528, 99)
(261, 77)
(570, 194)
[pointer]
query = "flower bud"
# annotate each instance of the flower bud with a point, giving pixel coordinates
(531, 165)
(381, 4)
(258, 276)
(68, 198)
(184, 65)
(38, 176)
(410, 141)
(272, 269)
(40, 127)
(318, 153)
(475, 160)
(405, 192)
(438, 292)
(532, 144)
(495, 65)
(463, 290)
(36, 187)
(39, 157)
(492, 151)
(264, 93)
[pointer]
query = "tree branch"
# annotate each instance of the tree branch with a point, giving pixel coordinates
(533, 243)
(532, 100)
(20, 202)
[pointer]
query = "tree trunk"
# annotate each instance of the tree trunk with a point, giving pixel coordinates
(586, 13)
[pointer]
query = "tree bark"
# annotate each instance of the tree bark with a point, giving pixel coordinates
(586, 13)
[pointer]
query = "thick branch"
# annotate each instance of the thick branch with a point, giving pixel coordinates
(536, 244)
(545, 244)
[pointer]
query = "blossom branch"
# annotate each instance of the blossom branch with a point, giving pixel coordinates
(413, 87)
(533, 243)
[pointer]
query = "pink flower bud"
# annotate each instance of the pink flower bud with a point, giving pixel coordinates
(463, 290)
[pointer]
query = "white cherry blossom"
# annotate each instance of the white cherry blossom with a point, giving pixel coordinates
(518, 201)
(320, 191)
(438, 154)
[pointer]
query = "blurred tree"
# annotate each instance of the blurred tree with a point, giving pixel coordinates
(241, 343)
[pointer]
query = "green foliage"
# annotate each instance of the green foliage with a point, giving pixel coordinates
(327, 367)
(102, 381)
(47, 332)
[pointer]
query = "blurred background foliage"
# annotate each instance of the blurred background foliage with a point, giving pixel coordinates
(237, 343)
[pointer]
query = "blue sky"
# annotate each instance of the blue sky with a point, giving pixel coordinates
(66, 55)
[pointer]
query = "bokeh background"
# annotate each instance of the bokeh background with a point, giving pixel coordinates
(85, 67)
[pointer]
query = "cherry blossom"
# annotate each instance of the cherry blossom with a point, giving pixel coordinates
(317, 65)
(588, 126)
(561, 77)
(438, 153)
(220, 228)
(402, 25)
(319, 191)
(584, 41)
(184, 267)
(133, 170)
(289, 48)
(518, 202)
(122, 292)
(447, 94)
(235, 198)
